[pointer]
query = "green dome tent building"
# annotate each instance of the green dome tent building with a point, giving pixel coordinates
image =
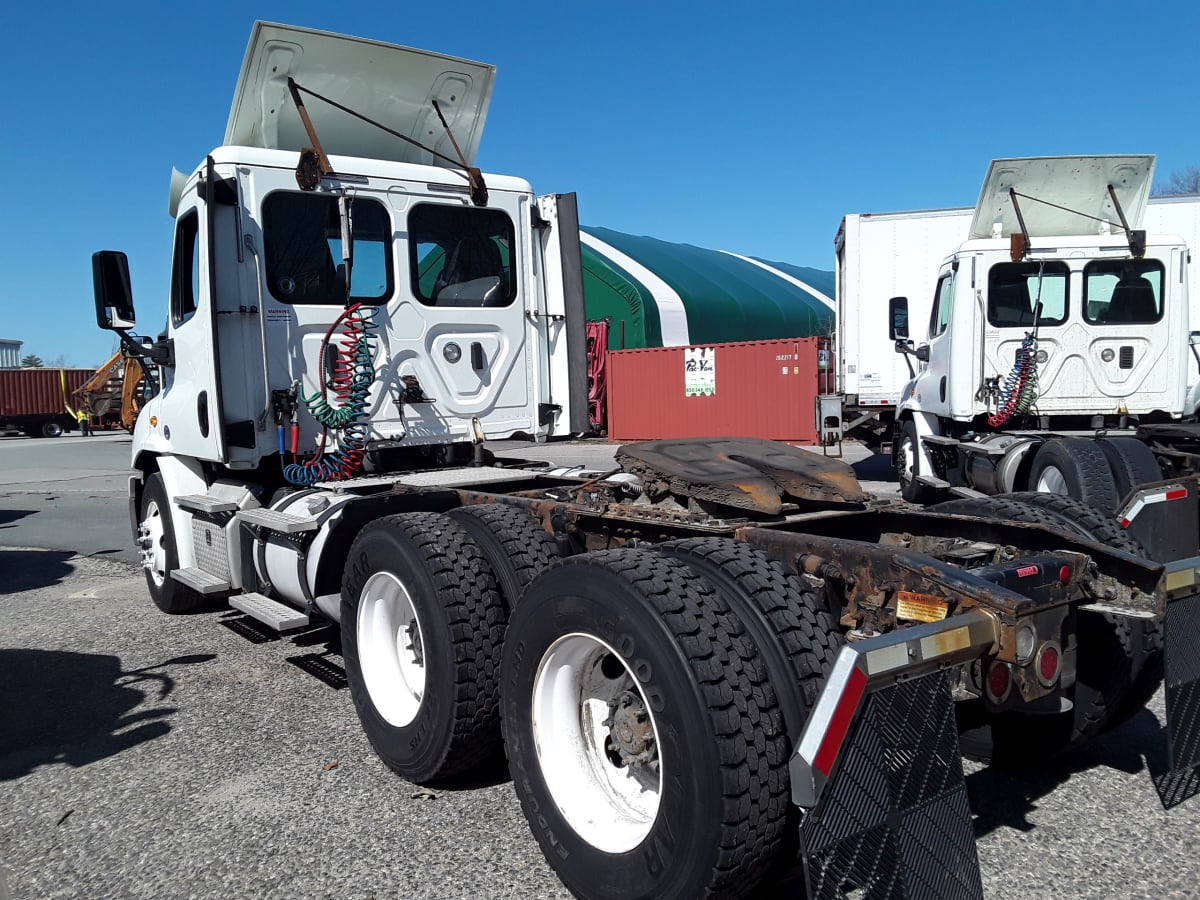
(656, 293)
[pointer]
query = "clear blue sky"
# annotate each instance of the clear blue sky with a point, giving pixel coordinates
(749, 127)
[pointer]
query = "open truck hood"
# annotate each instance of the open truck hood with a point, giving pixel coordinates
(391, 84)
(1075, 182)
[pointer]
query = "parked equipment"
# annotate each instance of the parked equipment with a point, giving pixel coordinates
(114, 393)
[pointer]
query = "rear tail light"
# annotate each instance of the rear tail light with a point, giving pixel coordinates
(1049, 663)
(999, 682)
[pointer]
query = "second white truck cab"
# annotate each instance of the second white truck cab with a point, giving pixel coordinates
(1056, 318)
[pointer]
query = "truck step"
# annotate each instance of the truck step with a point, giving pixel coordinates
(270, 612)
(200, 581)
(934, 482)
(205, 503)
(970, 493)
(940, 440)
(284, 523)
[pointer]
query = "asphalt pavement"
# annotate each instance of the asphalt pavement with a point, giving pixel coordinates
(143, 755)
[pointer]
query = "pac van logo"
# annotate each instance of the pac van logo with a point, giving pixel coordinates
(700, 371)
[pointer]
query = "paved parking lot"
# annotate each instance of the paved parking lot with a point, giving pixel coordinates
(143, 755)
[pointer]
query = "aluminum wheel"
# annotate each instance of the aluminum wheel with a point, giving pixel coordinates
(1052, 481)
(390, 648)
(597, 743)
(153, 542)
(904, 455)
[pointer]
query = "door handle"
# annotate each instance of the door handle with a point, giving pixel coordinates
(202, 412)
(478, 360)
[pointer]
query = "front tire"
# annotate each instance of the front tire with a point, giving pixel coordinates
(908, 466)
(160, 557)
(644, 743)
(422, 629)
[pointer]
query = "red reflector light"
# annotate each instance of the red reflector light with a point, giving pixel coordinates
(842, 717)
(999, 681)
(1064, 575)
(1048, 664)
(1177, 495)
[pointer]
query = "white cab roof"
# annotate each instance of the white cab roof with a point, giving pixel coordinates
(1076, 182)
(390, 84)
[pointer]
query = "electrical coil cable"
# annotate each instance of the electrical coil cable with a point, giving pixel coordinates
(1020, 388)
(350, 382)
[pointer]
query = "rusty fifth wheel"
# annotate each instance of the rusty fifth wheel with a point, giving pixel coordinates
(645, 745)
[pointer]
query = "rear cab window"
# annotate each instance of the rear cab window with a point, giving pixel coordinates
(302, 241)
(1015, 290)
(1123, 291)
(461, 256)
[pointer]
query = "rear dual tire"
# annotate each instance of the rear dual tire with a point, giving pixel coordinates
(422, 628)
(644, 739)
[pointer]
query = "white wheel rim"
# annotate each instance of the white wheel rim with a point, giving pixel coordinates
(155, 559)
(609, 802)
(391, 649)
(1051, 481)
(905, 474)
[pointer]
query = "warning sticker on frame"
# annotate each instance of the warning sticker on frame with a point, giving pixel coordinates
(700, 372)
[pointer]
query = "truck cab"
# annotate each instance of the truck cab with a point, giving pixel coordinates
(1055, 316)
(462, 303)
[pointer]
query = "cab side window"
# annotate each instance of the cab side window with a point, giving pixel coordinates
(461, 256)
(939, 319)
(185, 273)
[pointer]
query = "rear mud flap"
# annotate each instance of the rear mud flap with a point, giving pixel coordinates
(892, 819)
(1182, 686)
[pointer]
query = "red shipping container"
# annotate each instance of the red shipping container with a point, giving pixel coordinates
(31, 392)
(763, 389)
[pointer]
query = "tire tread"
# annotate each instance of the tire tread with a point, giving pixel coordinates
(477, 621)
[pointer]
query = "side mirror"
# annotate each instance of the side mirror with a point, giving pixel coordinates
(898, 318)
(114, 296)
(922, 353)
(1194, 339)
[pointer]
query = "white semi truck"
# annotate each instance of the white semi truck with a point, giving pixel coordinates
(1057, 354)
(697, 665)
(898, 254)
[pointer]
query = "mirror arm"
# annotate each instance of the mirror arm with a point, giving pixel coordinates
(907, 351)
(161, 353)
